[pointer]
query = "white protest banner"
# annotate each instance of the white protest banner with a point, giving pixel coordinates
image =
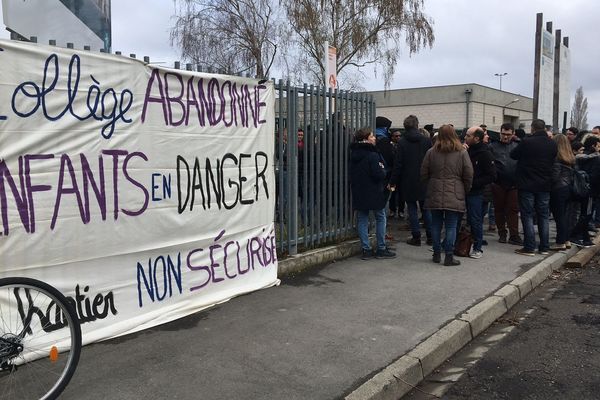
(143, 193)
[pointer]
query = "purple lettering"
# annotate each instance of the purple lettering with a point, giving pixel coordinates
(99, 189)
(176, 99)
(65, 162)
(20, 198)
(34, 188)
(151, 99)
(193, 267)
(135, 183)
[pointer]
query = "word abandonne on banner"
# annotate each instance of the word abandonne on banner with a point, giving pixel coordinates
(143, 193)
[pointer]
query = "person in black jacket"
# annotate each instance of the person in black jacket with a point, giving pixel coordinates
(367, 179)
(504, 190)
(535, 157)
(384, 143)
(562, 179)
(588, 161)
(484, 173)
(407, 175)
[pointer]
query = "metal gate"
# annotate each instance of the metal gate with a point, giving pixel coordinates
(313, 187)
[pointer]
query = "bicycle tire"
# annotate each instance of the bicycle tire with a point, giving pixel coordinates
(32, 352)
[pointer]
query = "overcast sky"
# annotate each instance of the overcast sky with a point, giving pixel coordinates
(474, 40)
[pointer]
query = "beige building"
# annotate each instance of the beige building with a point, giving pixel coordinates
(461, 105)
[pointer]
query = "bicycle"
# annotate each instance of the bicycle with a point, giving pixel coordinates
(40, 340)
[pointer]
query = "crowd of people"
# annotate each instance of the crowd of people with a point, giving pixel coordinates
(449, 181)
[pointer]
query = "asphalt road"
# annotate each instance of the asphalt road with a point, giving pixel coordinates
(553, 352)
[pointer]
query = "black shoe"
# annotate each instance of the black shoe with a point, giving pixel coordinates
(484, 242)
(429, 241)
(525, 252)
(449, 261)
(367, 254)
(515, 240)
(582, 243)
(502, 239)
(413, 241)
(385, 254)
(437, 258)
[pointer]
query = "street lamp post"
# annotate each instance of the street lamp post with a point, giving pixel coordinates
(500, 75)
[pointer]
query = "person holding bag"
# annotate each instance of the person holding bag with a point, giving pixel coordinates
(448, 171)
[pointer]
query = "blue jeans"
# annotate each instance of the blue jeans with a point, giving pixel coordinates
(450, 220)
(488, 209)
(540, 203)
(362, 225)
(475, 219)
(559, 200)
(413, 217)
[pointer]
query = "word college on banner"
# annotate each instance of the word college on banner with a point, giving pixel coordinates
(142, 193)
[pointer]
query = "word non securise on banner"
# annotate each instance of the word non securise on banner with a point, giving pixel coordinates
(144, 194)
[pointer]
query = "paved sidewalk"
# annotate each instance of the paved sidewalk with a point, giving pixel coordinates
(320, 335)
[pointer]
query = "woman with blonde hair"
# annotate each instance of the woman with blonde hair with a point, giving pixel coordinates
(560, 196)
(448, 171)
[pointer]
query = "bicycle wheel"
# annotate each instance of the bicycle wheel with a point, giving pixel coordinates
(40, 340)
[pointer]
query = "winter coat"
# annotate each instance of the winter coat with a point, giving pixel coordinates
(590, 163)
(410, 151)
(506, 167)
(535, 156)
(386, 148)
(449, 177)
(367, 177)
(562, 175)
(484, 171)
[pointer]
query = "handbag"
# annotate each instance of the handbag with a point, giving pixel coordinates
(463, 244)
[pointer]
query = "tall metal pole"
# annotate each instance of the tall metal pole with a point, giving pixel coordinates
(500, 75)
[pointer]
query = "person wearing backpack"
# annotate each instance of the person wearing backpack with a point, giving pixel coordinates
(560, 196)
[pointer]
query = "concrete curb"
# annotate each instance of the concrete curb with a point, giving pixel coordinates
(583, 256)
(399, 378)
(317, 257)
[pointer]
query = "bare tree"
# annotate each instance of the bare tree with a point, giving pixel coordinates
(579, 110)
(363, 31)
(234, 36)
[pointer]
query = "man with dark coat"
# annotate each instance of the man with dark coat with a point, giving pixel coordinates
(369, 193)
(484, 173)
(504, 190)
(535, 157)
(407, 175)
(384, 143)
